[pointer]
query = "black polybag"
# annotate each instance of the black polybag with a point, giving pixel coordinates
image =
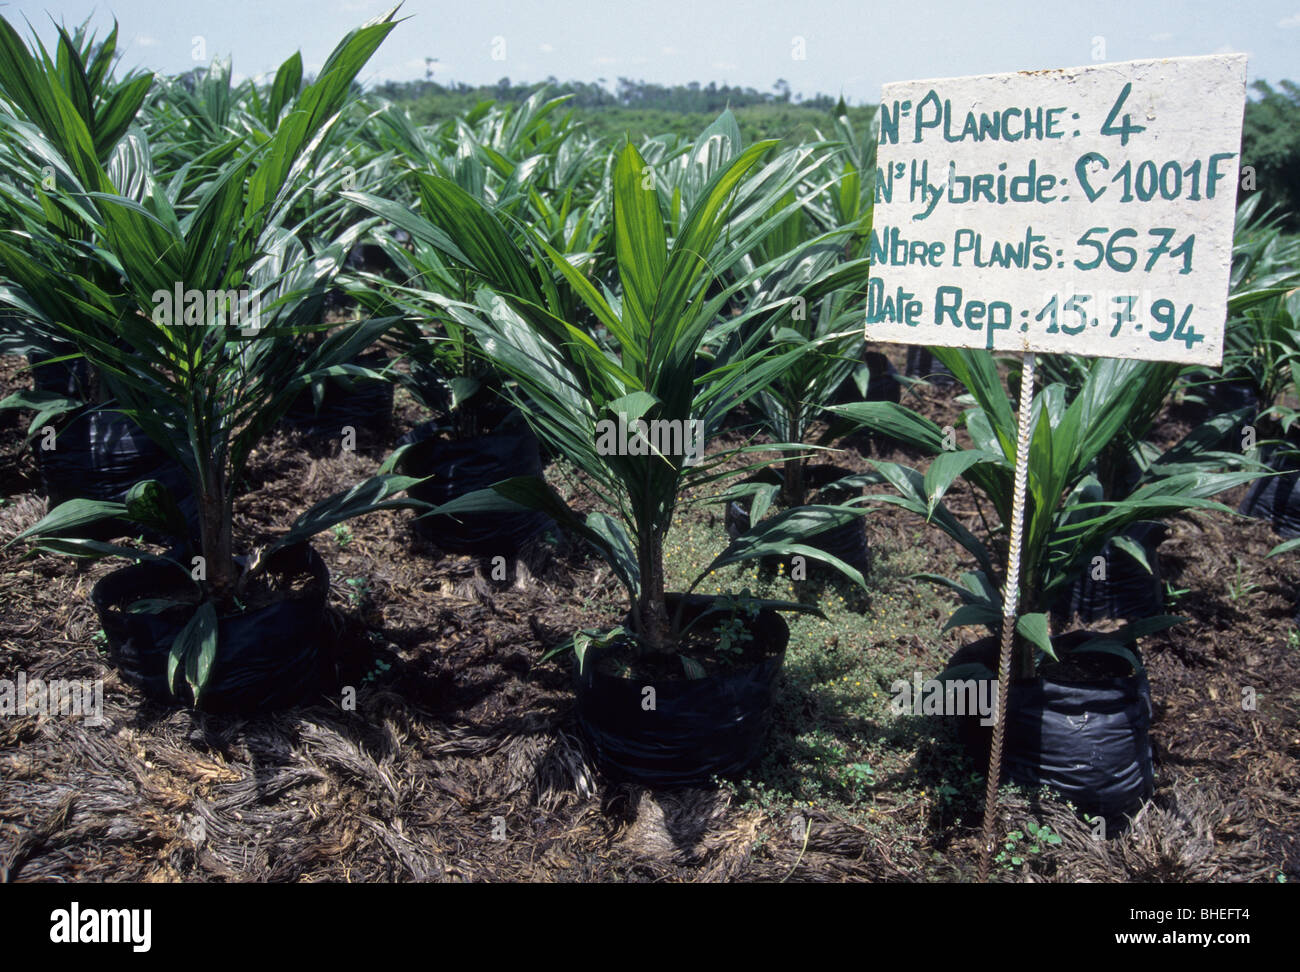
(100, 455)
(364, 258)
(1276, 498)
(921, 363)
(1221, 393)
(848, 541)
(267, 659)
(1090, 741)
(697, 729)
(882, 385)
(460, 467)
(355, 402)
(1230, 395)
(69, 378)
(1126, 590)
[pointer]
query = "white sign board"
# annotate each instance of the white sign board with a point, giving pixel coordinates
(1077, 211)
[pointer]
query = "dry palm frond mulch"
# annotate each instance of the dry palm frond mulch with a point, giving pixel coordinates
(461, 760)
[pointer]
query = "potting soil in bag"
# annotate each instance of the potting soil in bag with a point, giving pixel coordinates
(267, 659)
(696, 728)
(457, 468)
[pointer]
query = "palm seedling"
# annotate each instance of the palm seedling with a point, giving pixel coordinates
(1260, 339)
(82, 68)
(638, 372)
(1068, 516)
(196, 335)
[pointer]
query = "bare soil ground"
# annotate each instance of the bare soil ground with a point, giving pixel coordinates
(462, 761)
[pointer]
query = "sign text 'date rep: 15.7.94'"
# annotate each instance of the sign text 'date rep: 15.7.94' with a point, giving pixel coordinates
(1083, 211)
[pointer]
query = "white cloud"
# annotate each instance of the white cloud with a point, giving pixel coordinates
(669, 51)
(724, 66)
(603, 60)
(144, 40)
(1288, 22)
(1161, 37)
(546, 48)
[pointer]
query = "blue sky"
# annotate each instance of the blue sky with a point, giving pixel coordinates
(848, 47)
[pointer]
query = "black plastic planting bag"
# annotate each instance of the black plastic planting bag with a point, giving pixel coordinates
(848, 541)
(458, 468)
(921, 363)
(1223, 392)
(364, 258)
(1230, 395)
(358, 403)
(1090, 741)
(882, 384)
(267, 659)
(697, 728)
(69, 378)
(1125, 589)
(1276, 498)
(100, 455)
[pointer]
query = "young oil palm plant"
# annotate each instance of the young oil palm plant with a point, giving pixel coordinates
(1078, 707)
(1068, 518)
(848, 201)
(638, 373)
(472, 437)
(815, 298)
(818, 298)
(83, 69)
(1260, 340)
(197, 339)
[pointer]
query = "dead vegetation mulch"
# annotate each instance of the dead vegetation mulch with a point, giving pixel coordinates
(461, 760)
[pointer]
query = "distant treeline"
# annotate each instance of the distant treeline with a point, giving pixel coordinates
(685, 98)
(1271, 144)
(1270, 137)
